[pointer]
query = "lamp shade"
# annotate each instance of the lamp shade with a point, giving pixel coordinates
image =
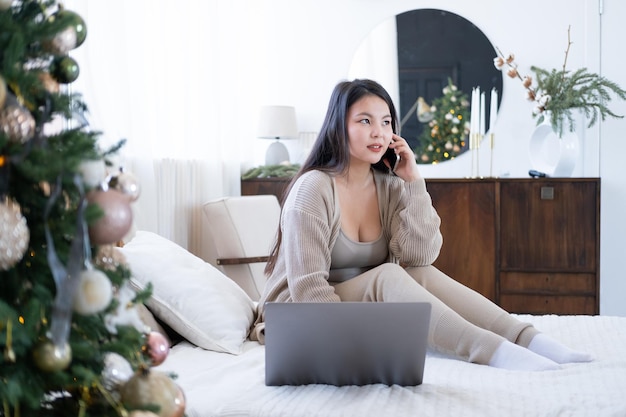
(277, 122)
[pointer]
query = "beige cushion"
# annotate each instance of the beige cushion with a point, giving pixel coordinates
(242, 227)
(189, 295)
(149, 320)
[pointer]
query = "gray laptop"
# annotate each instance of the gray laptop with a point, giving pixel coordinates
(346, 343)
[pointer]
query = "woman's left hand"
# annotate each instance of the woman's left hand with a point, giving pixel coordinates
(406, 167)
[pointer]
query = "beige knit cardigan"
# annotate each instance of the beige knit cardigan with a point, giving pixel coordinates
(310, 223)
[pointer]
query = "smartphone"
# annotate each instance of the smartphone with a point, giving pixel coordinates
(391, 157)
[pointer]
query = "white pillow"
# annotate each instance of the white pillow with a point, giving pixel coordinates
(191, 296)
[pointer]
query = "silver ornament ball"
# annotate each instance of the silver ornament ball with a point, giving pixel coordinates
(117, 370)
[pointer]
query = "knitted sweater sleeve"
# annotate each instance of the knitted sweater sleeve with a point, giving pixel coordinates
(411, 220)
(310, 223)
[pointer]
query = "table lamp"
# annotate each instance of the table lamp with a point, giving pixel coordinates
(277, 122)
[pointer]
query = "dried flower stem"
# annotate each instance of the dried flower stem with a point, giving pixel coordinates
(569, 44)
(510, 62)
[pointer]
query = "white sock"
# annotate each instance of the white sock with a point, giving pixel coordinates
(544, 345)
(516, 358)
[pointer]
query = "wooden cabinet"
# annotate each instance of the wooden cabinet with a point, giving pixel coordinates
(549, 245)
(530, 245)
(257, 186)
(468, 226)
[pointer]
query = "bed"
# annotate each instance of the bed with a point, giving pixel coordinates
(222, 372)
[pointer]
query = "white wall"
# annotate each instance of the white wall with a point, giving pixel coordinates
(613, 201)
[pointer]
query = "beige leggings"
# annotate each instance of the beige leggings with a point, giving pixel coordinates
(463, 322)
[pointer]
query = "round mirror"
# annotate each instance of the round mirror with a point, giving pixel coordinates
(430, 61)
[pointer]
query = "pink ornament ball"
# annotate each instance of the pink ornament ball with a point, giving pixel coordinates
(157, 347)
(117, 219)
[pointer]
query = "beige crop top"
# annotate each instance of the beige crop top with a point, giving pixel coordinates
(350, 258)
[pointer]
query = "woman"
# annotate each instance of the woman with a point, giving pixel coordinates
(357, 224)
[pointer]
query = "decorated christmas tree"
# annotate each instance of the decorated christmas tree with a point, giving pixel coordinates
(448, 130)
(71, 337)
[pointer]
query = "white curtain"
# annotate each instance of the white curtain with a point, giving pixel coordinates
(160, 75)
(171, 202)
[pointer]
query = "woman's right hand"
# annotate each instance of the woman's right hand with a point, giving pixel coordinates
(406, 167)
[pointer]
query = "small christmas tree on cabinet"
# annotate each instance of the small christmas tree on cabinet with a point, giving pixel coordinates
(71, 339)
(447, 131)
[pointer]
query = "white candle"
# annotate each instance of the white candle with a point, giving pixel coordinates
(473, 114)
(482, 113)
(493, 109)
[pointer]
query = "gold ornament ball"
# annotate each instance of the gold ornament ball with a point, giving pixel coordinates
(149, 387)
(108, 258)
(51, 358)
(117, 218)
(16, 122)
(14, 234)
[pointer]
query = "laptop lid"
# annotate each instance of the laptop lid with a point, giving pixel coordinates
(346, 343)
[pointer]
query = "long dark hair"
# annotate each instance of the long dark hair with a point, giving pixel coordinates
(331, 151)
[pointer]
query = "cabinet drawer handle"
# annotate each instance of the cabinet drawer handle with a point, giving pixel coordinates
(547, 193)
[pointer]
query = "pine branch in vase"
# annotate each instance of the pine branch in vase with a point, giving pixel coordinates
(559, 93)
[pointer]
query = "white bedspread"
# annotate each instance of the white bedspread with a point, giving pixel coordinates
(219, 384)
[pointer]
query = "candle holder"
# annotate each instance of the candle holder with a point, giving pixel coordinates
(474, 145)
(492, 143)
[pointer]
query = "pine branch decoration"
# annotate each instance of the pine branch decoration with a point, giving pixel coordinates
(579, 90)
(271, 171)
(559, 93)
